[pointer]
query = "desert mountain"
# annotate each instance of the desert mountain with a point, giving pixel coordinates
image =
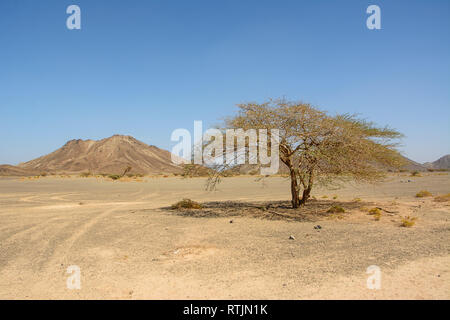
(411, 165)
(111, 155)
(441, 163)
(9, 170)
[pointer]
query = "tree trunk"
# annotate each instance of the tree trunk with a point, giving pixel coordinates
(294, 189)
(307, 189)
(306, 195)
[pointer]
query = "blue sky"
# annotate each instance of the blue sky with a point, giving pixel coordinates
(145, 68)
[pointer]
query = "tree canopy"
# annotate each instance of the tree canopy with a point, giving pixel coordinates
(317, 147)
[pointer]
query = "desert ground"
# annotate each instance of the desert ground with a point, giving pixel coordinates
(128, 245)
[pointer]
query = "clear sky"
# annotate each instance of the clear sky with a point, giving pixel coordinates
(145, 68)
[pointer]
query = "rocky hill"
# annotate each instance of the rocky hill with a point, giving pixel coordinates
(111, 155)
(442, 163)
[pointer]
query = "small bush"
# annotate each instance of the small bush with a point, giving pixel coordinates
(335, 197)
(375, 211)
(324, 197)
(408, 221)
(423, 193)
(415, 174)
(357, 200)
(114, 176)
(442, 198)
(43, 174)
(336, 209)
(85, 174)
(186, 204)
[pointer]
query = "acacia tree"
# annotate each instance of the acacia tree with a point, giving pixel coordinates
(318, 148)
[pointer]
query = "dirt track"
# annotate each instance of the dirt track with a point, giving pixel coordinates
(128, 247)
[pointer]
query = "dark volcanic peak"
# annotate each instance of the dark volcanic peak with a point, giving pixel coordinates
(109, 155)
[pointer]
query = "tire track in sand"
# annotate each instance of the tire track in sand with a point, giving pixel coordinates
(61, 251)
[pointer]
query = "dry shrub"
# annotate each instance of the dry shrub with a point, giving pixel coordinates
(423, 193)
(186, 204)
(408, 221)
(336, 216)
(415, 174)
(442, 198)
(364, 209)
(375, 211)
(336, 209)
(357, 200)
(85, 174)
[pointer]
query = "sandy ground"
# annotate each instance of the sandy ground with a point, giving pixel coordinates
(128, 247)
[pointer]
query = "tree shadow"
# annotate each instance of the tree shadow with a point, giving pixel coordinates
(312, 211)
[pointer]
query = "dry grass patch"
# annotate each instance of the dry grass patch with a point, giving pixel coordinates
(336, 209)
(415, 174)
(85, 174)
(442, 198)
(408, 221)
(374, 211)
(423, 194)
(186, 204)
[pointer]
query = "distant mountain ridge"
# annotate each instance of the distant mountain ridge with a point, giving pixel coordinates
(111, 156)
(441, 163)
(409, 165)
(114, 154)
